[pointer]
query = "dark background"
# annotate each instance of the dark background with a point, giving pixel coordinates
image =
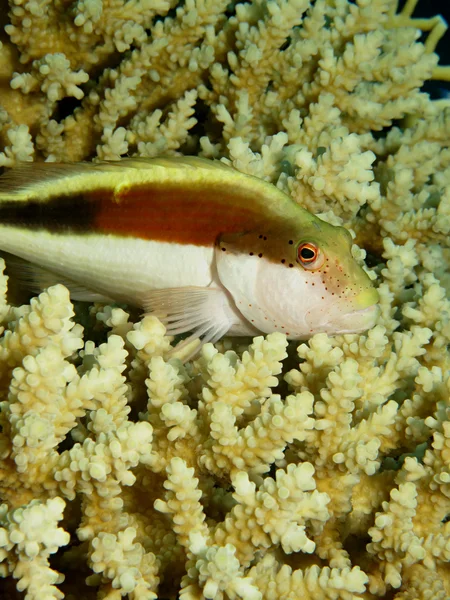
(427, 9)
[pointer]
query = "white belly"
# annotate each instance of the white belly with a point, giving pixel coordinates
(123, 268)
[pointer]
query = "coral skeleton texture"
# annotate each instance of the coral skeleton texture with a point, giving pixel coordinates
(260, 470)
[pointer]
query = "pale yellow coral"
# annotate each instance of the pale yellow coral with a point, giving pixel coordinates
(18, 148)
(276, 514)
(124, 562)
(88, 34)
(28, 536)
(279, 509)
(312, 583)
(252, 472)
(53, 74)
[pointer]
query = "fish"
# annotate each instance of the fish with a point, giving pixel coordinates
(207, 249)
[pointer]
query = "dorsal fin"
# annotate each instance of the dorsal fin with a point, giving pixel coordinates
(28, 178)
(169, 162)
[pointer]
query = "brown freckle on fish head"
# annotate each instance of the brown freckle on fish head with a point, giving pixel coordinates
(290, 265)
(265, 238)
(291, 242)
(283, 260)
(260, 255)
(251, 254)
(224, 249)
(260, 237)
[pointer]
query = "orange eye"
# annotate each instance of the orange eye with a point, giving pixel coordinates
(309, 256)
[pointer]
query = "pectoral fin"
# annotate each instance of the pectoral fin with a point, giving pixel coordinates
(203, 311)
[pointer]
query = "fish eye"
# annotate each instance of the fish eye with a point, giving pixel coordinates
(309, 256)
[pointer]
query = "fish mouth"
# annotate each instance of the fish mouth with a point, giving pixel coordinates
(355, 321)
(358, 320)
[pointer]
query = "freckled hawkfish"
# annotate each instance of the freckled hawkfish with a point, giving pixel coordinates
(202, 246)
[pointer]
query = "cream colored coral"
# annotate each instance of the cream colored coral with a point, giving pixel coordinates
(343, 173)
(148, 337)
(396, 533)
(154, 138)
(40, 414)
(182, 501)
(114, 144)
(112, 447)
(28, 536)
(312, 583)
(275, 515)
(47, 320)
(197, 479)
(171, 60)
(265, 165)
(279, 508)
(238, 382)
(53, 76)
(124, 562)
(219, 574)
(167, 396)
(19, 147)
(98, 26)
(111, 456)
(262, 441)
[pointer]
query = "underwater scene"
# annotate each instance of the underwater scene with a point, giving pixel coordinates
(224, 300)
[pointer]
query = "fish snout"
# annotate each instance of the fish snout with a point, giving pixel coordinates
(357, 316)
(358, 320)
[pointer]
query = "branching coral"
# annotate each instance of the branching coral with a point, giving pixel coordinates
(257, 471)
(28, 536)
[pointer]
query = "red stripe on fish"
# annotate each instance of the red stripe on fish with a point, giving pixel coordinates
(176, 214)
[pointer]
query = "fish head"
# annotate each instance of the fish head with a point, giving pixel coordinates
(299, 282)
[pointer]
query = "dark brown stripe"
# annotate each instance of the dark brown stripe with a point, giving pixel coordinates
(59, 215)
(176, 213)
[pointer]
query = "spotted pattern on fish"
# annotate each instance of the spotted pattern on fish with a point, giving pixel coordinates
(170, 213)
